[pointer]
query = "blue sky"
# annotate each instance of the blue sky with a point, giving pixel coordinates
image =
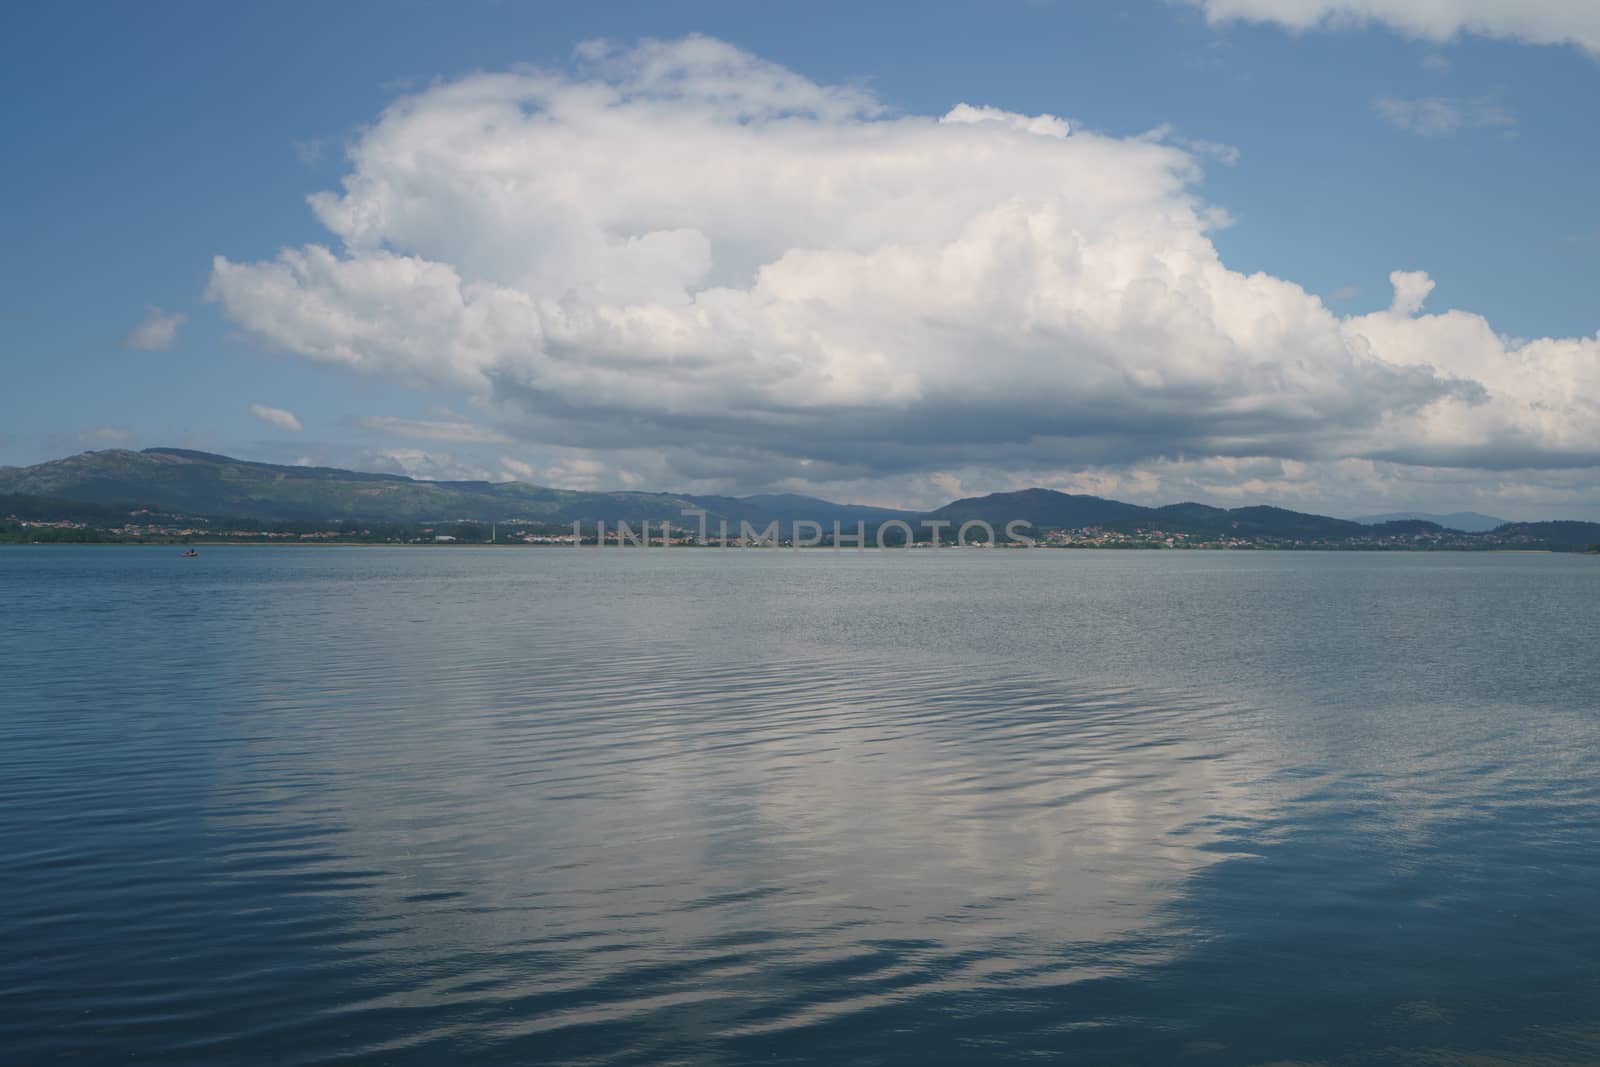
(148, 140)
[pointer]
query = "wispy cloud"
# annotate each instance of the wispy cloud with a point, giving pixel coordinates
(517, 468)
(1545, 22)
(103, 435)
(433, 429)
(310, 150)
(1441, 116)
(278, 417)
(1226, 154)
(157, 333)
(1436, 63)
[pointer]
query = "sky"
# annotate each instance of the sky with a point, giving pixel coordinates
(1334, 255)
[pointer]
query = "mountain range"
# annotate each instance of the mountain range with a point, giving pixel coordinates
(185, 482)
(1470, 521)
(111, 483)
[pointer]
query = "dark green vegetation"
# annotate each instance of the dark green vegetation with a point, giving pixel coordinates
(179, 495)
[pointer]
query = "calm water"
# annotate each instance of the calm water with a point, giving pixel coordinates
(298, 806)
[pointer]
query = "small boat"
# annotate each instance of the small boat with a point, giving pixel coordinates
(190, 554)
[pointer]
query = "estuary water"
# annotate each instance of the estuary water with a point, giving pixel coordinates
(562, 806)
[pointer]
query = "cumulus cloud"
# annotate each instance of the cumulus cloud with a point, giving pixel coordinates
(157, 332)
(684, 249)
(1339, 487)
(419, 463)
(1532, 21)
(1043, 125)
(284, 420)
(1437, 116)
(1411, 289)
(427, 466)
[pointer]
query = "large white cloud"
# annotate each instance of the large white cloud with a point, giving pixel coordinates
(1533, 21)
(684, 246)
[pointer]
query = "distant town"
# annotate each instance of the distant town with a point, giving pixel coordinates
(144, 527)
(180, 496)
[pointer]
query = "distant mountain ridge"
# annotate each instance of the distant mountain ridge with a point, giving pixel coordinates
(1042, 507)
(1469, 521)
(184, 481)
(187, 482)
(1047, 508)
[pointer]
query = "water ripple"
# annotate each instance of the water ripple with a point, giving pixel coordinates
(415, 808)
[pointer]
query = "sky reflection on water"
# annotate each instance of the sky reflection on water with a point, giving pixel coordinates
(416, 806)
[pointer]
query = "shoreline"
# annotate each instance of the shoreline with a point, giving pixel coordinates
(656, 550)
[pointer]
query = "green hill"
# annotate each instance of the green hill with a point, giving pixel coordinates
(1045, 508)
(107, 485)
(185, 482)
